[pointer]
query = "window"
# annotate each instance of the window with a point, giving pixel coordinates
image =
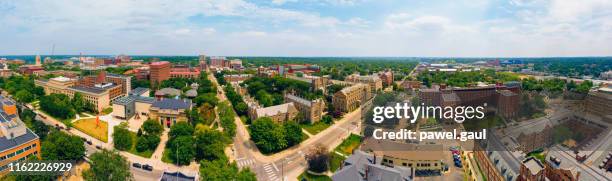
(404, 164)
(10, 155)
(19, 151)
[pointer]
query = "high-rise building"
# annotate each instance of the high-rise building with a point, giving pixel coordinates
(202, 62)
(38, 63)
(159, 71)
(217, 61)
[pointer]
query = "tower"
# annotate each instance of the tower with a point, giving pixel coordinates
(38, 60)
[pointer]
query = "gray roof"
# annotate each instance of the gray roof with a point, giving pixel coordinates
(11, 143)
(191, 93)
(94, 90)
(117, 75)
(175, 104)
(149, 100)
(125, 100)
(168, 91)
(176, 176)
(139, 90)
(355, 166)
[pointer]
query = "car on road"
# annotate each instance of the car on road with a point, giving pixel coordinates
(98, 147)
(136, 165)
(147, 167)
(89, 142)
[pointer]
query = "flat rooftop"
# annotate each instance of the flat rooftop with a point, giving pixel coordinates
(6, 144)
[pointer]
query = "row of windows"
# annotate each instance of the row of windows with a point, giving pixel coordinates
(11, 155)
(2, 168)
(410, 164)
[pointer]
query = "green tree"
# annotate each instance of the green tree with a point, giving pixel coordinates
(267, 135)
(220, 170)
(108, 165)
(210, 144)
(61, 146)
(24, 96)
(241, 108)
(78, 103)
(180, 129)
(181, 150)
(122, 139)
(152, 127)
(264, 98)
(57, 105)
(293, 133)
(318, 159)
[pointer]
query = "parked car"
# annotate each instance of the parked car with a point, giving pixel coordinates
(147, 167)
(136, 165)
(98, 147)
(89, 142)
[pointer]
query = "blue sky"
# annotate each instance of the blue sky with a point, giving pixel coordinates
(465, 28)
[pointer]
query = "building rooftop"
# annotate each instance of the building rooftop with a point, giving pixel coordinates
(363, 166)
(349, 89)
(139, 90)
(298, 99)
(274, 110)
(94, 90)
(533, 165)
(6, 143)
(168, 91)
(61, 79)
(191, 93)
(403, 150)
(174, 104)
(176, 176)
(160, 63)
(125, 100)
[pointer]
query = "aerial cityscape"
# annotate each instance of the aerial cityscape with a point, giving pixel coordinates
(281, 90)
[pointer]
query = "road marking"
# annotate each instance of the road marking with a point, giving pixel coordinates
(275, 168)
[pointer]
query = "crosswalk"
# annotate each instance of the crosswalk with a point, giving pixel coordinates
(245, 162)
(269, 169)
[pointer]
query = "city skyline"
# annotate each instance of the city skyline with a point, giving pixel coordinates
(313, 28)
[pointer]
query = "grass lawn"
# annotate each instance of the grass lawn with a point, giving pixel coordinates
(145, 154)
(166, 157)
(311, 177)
(88, 126)
(335, 161)
(316, 127)
(349, 144)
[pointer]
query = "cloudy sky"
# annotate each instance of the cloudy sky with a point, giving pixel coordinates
(466, 28)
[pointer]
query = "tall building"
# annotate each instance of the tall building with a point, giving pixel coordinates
(203, 64)
(600, 103)
(17, 142)
(38, 61)
(386, 77)
(217, 61)
(159, 71)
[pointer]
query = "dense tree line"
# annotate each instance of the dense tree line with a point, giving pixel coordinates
(61, 106)
(271, 137)
(339, 67)
(108, 165)
(22, 88)
(269, 91)
(227, 117)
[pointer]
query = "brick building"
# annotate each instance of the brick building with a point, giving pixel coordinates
(17, 142)
(159, 71)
